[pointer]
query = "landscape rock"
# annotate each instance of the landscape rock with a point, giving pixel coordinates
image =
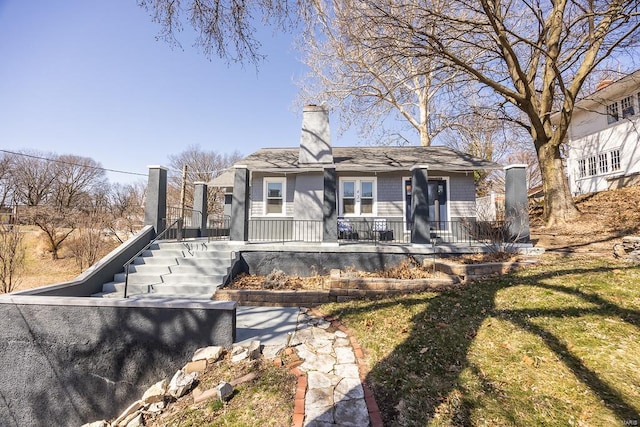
(225, 391)
(254, 350)
(238, 354)
(155, 393)
(181, 383)
(137, 421)
(156, 407)
(132, 409)
(205, 395)
(101, 423)
(197, 366)
(207, 353)
(629, 249)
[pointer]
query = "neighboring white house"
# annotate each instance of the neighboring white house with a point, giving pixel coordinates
(603, 138)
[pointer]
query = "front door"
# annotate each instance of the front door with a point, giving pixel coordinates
(437, 203)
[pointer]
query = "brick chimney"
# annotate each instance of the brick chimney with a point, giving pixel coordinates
(315, 142)
(603, 83)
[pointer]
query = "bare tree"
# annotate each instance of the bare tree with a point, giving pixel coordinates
(532, 58)
(88, 243)
(56, 224)
(353, 73)
(126, 209)
(33, 176)
(76, 181)
(224, 28)
(202, 166)
(11, 257)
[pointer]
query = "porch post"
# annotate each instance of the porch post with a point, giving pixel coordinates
(516, 205)
(155, 210)
(239, 227)
(329, 207)
(200, 200)
(420, 231)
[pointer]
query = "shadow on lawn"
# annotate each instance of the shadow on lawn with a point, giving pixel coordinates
(421, 377)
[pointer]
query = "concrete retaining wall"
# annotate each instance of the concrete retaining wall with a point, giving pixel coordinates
(91, 280)
(68, 361)
(301, 263)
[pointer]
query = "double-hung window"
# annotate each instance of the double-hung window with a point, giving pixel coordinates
(615, 160)
(274, 196)
(357, 196)
(603, 163)
(593, 170)
(627, 107)
(612, 113)
(582, 168)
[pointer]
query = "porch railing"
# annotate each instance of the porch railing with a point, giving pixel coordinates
(218, 227)
(351, 230)
(285, 230)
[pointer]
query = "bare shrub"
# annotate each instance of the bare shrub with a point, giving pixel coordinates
(12, 253)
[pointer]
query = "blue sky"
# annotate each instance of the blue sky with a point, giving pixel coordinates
(88, 77)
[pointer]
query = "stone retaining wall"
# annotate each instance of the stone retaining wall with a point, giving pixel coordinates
(339, 289)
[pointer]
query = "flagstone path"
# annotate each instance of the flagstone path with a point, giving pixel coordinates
(331, 393)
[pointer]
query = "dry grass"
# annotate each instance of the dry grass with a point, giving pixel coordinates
(39, 268)
(265, 401)
(552, 345)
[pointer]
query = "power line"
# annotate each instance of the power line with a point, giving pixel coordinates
(71, 163)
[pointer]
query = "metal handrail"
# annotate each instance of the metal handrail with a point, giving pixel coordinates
(147, 246)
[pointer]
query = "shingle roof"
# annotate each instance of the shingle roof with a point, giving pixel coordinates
(381, 158)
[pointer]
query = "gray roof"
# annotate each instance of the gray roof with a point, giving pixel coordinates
(374, 159)
(225, 179)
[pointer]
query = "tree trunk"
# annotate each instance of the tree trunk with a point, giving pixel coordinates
(559, 207)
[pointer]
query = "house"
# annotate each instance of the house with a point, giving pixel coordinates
(602, 141)
(316, 192)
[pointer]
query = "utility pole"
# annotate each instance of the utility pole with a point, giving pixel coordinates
(183, 191)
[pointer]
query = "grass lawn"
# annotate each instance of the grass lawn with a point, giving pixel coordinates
(555, 345)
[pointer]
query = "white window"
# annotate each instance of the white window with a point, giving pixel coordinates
(627, 106)
(615, 160)
(603, 163)
(582, 168)
(593, 170)
(357, 196)
(612, 113)
(274, 196)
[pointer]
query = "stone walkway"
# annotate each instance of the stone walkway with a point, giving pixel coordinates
(331, 393)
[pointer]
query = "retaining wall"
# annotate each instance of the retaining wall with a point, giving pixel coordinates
(68, 361)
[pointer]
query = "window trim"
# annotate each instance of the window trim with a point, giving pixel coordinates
(358, 189)
(603, 163)
(265, 193)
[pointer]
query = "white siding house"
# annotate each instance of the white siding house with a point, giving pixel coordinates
(603, 138)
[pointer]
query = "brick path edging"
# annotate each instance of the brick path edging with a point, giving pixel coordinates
(372, 406)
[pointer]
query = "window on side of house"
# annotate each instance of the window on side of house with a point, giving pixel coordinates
(615, 160)
(274, 196)
(357, 196)
(612, 113)
(627, 107)
(582, 168)
(593, 170)
(603, 162)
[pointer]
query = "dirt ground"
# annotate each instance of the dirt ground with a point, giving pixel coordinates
(605, 218)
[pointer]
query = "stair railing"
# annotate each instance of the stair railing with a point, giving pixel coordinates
(147, 246)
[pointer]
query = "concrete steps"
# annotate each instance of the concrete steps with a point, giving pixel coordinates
(176, 270)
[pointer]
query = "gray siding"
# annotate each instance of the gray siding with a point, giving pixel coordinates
(257, 194)
(390, 195)
(308, 196)
(462, 196)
